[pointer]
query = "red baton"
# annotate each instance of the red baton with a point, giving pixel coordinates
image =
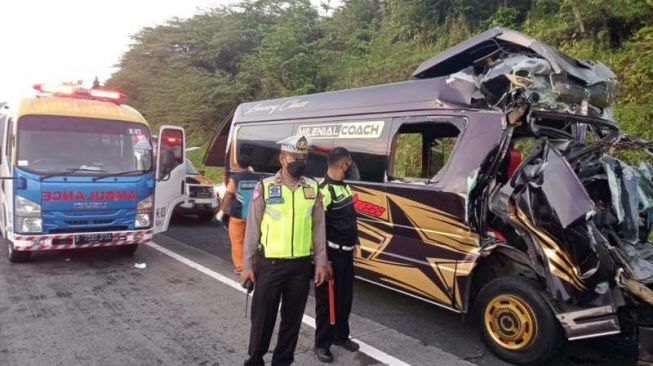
(332, 304)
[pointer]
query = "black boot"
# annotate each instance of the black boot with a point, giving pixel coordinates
(323, 354)
(347, 344)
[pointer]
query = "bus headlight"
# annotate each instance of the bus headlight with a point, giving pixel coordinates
(28, 216)
(144, 213)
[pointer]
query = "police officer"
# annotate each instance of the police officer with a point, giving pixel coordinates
(240, 186)
(342, 236)
(285, 224)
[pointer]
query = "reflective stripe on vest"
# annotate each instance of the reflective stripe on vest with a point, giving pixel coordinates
(287, 223)
(334, 194)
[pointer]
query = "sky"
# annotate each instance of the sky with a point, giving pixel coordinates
(53, 41)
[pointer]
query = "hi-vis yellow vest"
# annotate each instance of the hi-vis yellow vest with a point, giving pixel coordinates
(286, 227)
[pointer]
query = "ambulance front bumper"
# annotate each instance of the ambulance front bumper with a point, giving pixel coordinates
(79, 240)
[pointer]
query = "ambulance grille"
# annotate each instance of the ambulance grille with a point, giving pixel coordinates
(89, 222)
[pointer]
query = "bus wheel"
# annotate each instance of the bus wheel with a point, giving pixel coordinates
(15, 256)
(127, 250)
(516, 323)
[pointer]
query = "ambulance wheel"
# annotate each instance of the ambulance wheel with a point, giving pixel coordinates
(15, 256)
(205, 217)
(127, 250)
(516, 322)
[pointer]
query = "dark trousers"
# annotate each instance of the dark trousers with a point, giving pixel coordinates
(288, 281)
(343, 278)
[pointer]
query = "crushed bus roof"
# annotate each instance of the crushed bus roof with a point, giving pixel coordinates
(62, 106)
(477, 48)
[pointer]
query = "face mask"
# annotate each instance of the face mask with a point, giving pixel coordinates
(296, 168)
(347, 173)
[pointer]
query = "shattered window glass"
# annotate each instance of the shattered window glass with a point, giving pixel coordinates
(407, 156)
(421, 150)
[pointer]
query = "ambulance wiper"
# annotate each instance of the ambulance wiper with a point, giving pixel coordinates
(118, 174)
(69, 172)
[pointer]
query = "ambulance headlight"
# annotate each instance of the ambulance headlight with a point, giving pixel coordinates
(143, 220)
(28, 216)
(29, 224)
(27, 208)
(144, 213)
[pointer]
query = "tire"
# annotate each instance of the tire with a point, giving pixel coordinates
(516, 322)
(127, 250)
(16, 256)
(205, 217)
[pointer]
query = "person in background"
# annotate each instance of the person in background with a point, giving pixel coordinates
(236, 202)
(285, 228)
(342, 237)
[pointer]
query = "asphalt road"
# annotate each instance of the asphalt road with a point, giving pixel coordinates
(424, 322)
(93, 307)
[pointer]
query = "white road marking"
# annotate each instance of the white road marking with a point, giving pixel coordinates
(308, 320)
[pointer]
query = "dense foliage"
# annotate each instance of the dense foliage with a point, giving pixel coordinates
(193, 72)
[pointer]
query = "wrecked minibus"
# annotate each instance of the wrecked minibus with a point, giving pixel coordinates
(487, 185)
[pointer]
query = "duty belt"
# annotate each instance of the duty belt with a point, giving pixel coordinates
(341, 247)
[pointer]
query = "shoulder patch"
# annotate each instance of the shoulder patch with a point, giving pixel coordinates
(309, 192)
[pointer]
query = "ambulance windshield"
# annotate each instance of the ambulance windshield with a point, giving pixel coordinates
(51, 144)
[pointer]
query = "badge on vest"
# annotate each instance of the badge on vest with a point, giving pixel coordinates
(274, 191)
(309, 193)
(274, 200)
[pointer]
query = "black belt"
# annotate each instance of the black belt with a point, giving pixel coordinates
(287, 259)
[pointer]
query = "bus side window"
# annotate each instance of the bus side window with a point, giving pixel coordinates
(407, 156)
(259, 142)
(316, 165)
(368, 149)
(420, 150)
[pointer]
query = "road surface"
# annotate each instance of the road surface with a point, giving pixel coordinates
(93, 307)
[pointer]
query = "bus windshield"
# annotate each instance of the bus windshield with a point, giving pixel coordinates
(82, 146)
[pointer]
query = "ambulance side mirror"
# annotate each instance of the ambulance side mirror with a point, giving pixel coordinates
(20, 182)
(170, 152)
(167, 163)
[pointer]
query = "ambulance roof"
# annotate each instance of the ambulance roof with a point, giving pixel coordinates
(75, 107)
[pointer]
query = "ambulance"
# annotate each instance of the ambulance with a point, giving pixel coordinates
(78, 170)
(488, 185)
